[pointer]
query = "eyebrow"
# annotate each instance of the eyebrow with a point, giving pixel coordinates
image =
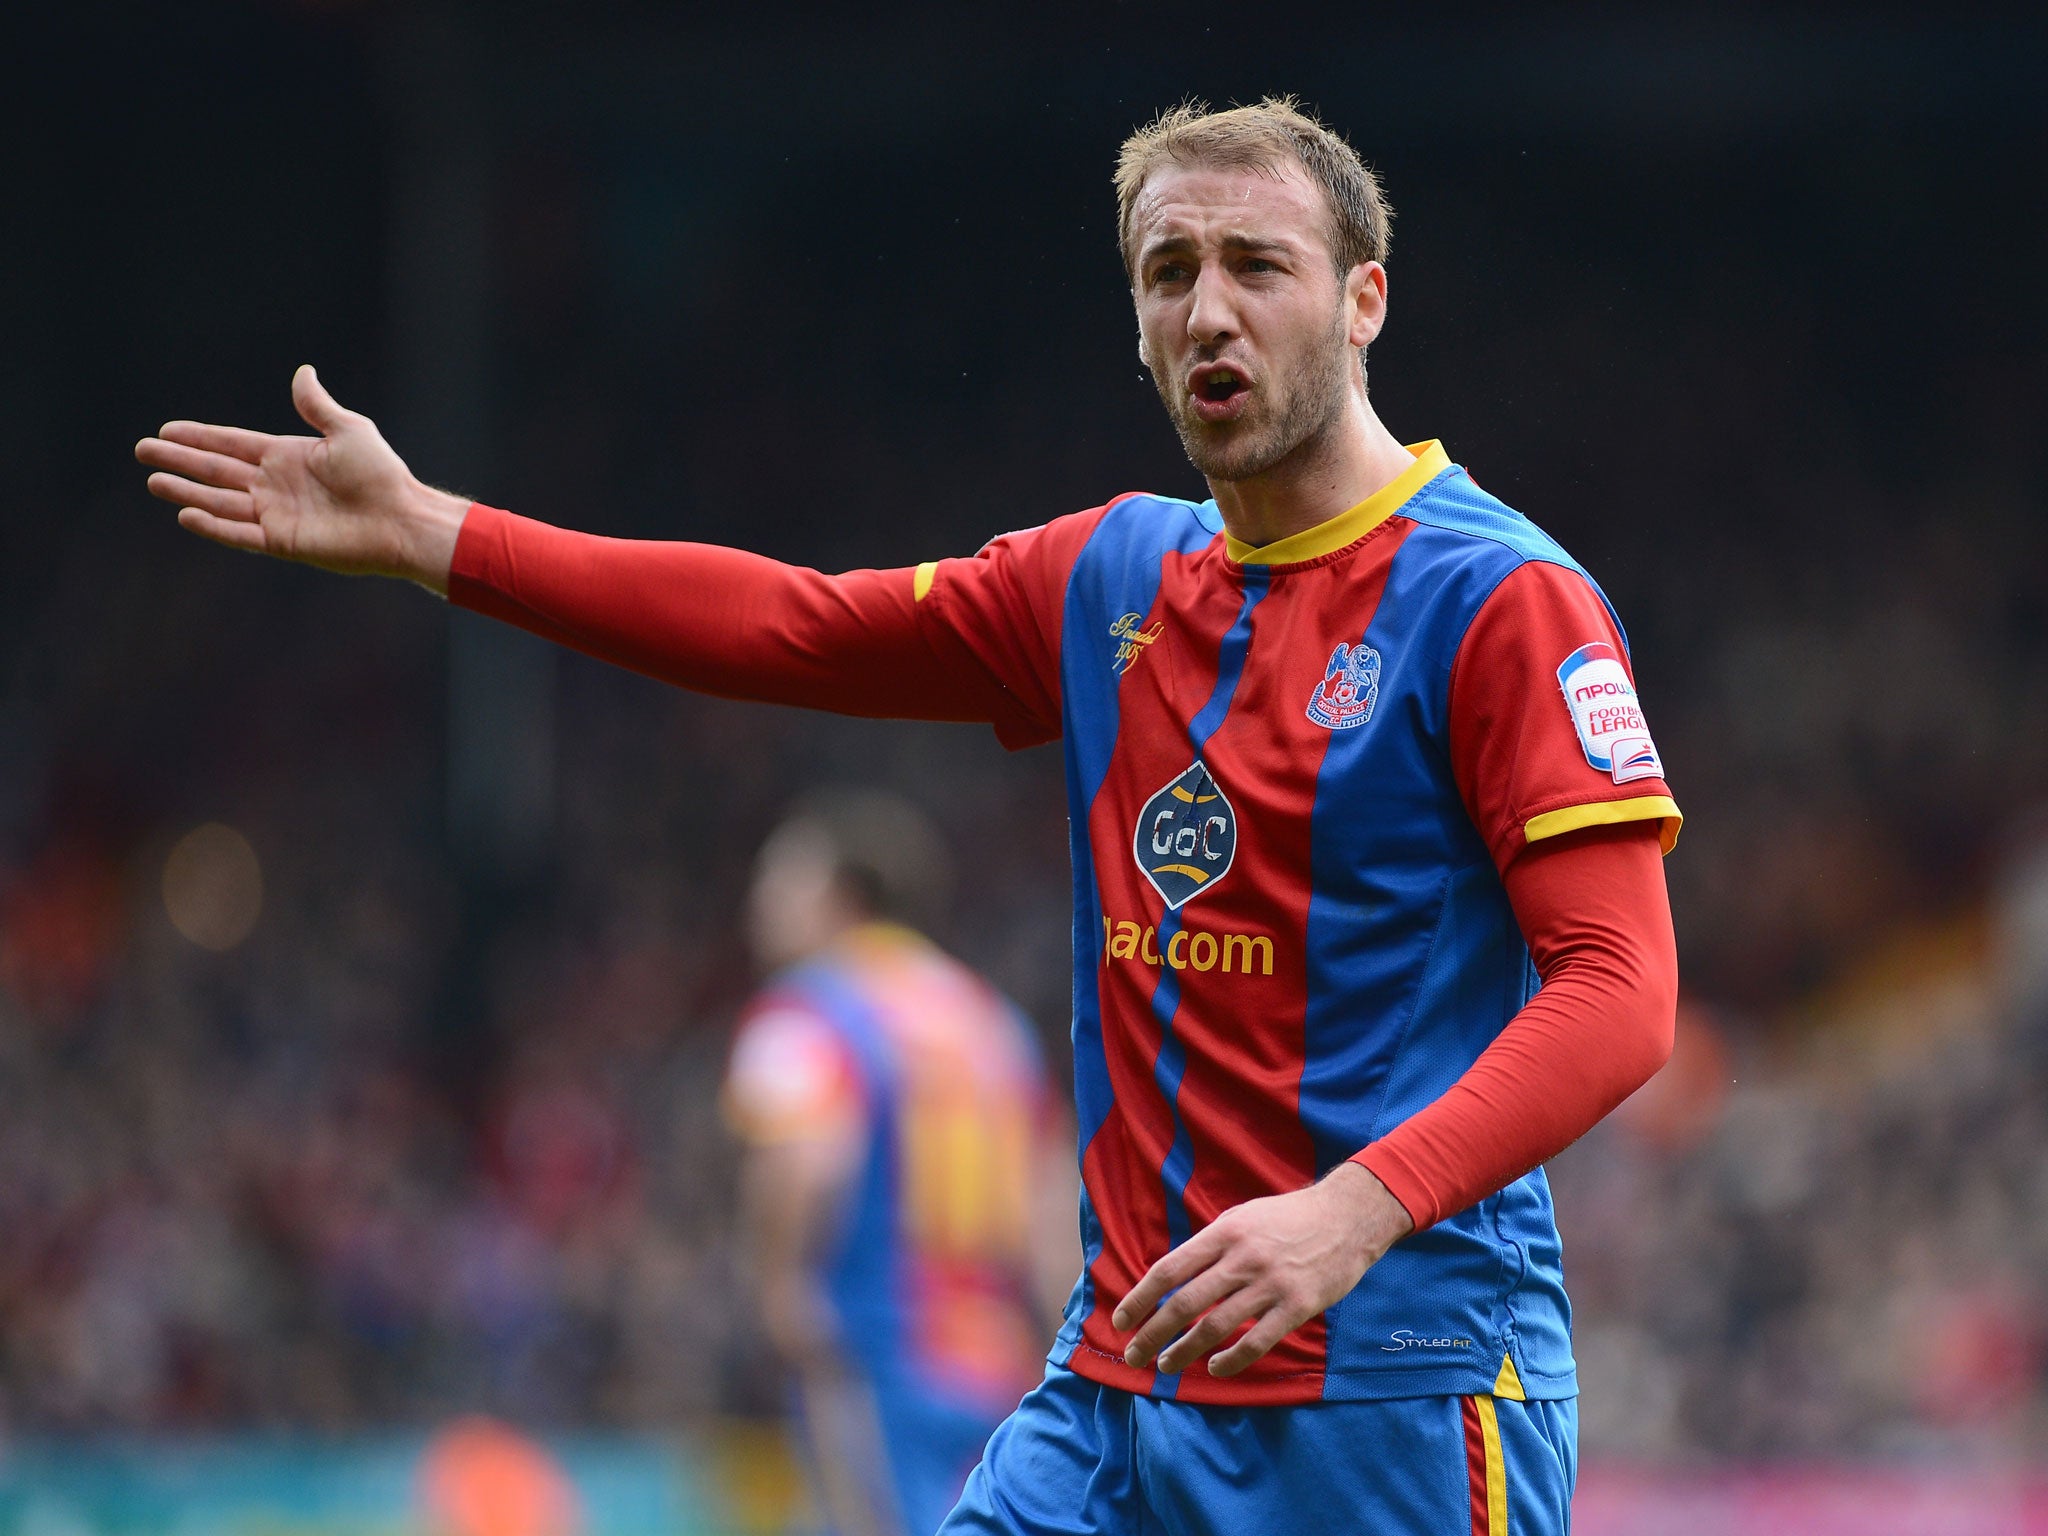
(1238, 244)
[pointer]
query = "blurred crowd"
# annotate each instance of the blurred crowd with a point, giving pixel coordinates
(1842, 1251)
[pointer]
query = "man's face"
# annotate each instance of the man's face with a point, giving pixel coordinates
(794, 906)
(1249, 330)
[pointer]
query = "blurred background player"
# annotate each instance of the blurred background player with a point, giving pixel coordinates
(906, 1193)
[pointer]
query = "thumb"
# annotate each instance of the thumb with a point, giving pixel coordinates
(317, 408)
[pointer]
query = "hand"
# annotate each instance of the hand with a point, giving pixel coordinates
(343, 501)
(1282, 1259)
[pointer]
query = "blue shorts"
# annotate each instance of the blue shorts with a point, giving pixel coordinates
(1077, 1459)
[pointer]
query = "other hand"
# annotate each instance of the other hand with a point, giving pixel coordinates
(343, 501)
(1274, 1262)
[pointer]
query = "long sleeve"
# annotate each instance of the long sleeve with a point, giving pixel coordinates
(951, 640)
(1593, 908)
(720, 621)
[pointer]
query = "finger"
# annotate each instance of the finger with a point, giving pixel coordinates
(1181, 1309)
(1268, 1331)
(317, 408)
(235, 442)
(1177, 1268)
(237, 506)
(249, 536)
(1218, 1324)
(197, 464)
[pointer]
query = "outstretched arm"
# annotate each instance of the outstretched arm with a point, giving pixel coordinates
(725, 622)
(959, 640)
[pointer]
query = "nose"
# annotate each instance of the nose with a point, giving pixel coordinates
(1212, 317)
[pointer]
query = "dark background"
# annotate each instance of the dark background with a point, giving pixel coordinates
(1744, 305)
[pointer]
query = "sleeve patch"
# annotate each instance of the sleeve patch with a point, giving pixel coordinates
(1607, 715)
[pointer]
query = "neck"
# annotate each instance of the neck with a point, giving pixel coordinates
(1327, 475)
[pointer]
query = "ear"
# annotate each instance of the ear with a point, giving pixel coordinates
(1365, 301)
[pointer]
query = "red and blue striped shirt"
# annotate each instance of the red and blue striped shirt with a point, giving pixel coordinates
(1300, 778)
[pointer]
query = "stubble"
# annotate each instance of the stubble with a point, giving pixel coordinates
(1303, 409)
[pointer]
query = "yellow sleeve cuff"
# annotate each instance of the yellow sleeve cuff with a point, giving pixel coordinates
(1600, 813)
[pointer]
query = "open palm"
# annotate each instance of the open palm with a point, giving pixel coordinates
(343, 501)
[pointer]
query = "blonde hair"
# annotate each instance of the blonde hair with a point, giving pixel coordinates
(1260, 137)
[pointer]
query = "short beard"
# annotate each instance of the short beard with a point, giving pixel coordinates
(1311, 401)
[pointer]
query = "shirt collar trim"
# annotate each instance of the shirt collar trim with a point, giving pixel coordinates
(1347, 528)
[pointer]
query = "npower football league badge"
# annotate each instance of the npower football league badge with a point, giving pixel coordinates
(1607, 715)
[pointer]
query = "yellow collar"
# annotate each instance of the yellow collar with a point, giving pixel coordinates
(1347, 528)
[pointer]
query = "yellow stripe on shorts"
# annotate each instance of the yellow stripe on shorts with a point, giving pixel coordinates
(1496, 1469)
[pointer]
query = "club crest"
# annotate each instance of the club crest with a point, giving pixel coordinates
(1186, 836)
(1349, 689)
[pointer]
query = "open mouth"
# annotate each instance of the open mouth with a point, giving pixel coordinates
(1219, 391)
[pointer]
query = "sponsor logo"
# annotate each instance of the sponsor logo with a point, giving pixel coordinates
(1186, 836)
(1131, 639)
(1607, 715)
(1408, 1338)
(1349, 689)
(1189, 949)
(1634, 756)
